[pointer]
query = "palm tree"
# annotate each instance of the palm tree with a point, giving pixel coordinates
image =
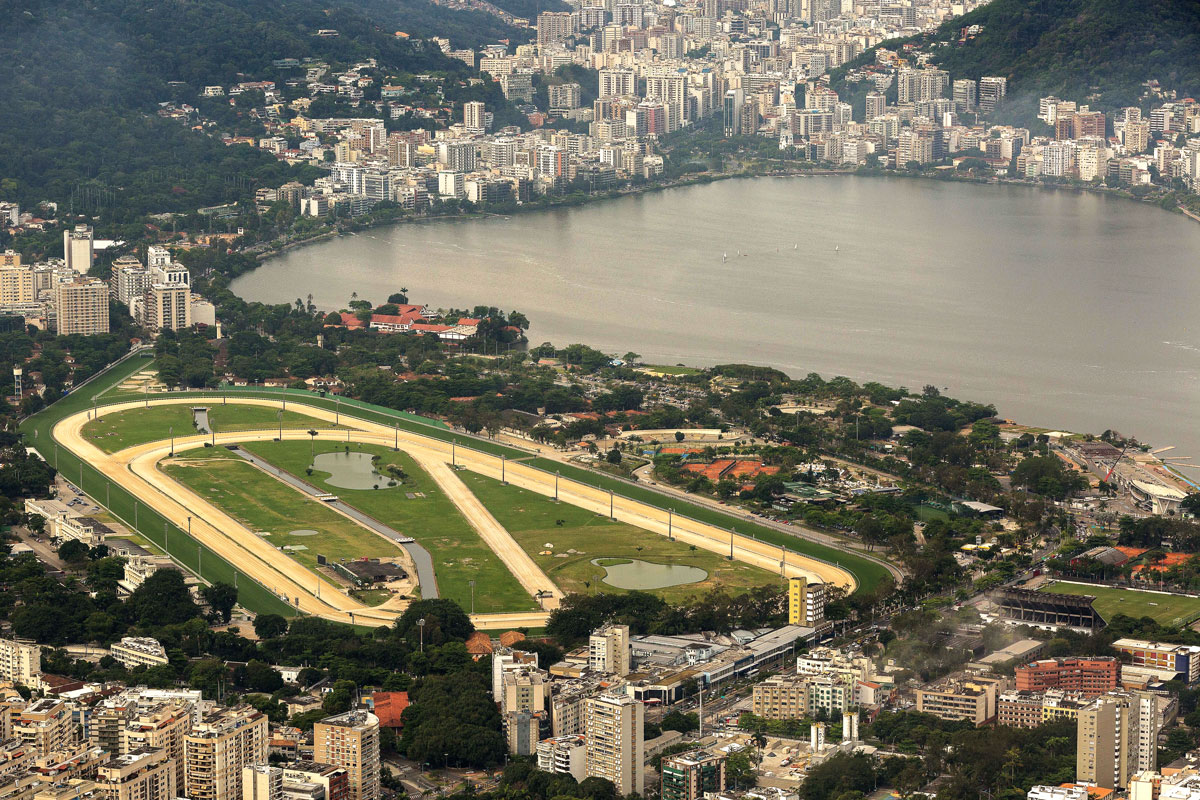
(312, 450)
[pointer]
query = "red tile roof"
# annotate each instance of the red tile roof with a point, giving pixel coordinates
(389, 706)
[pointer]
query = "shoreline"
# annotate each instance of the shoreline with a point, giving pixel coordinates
(689, 358)
(704, 179)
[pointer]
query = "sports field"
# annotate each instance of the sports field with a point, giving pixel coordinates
(113, 432)
(1165, 609)
(418, 508)
(535, 520)
(268, 506)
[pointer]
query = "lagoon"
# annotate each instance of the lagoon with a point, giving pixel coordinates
(1064, 309)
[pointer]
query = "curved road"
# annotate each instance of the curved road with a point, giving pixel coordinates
(135, 468)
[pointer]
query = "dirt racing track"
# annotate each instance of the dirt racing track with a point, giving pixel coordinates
(137, 470)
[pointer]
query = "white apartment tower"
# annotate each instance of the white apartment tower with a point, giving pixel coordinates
(617, 82)
(78, 248)
(474, 119)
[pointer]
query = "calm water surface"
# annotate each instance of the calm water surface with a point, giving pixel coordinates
(1065, 310)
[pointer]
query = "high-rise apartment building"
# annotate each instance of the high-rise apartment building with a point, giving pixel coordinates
(160, 726)
(555, 26)
(16, 285)
(138, 775)
(81, 306)
(617, 82)
(615, 747)
(129, 280)
(218, 747)
(78, 248)
(1117, 737)
(609, 650)
(474, 116)
(966, 95)
(876, 105)
(46, 726)
(565, 755)
(167, 303)
(780, 697)
(991, 92)
(19, 661)
(351, 741)
(806, 602)
(523, 690)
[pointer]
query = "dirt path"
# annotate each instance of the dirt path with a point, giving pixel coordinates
(494, 535)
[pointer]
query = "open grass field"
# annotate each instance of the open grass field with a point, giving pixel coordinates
(116, 431)
(459, 555)
(535, 520)
(1166, 609)
(264, 504)
(669, 369)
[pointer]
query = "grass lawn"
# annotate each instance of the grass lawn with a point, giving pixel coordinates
(264, 504)
(113, 432)
(1166, 609)
(459, 555)
(669, 369)
(371, 597)
(533, 520)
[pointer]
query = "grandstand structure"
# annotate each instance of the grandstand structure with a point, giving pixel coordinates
(1046, 610)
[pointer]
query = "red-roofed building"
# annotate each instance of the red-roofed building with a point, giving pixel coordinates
(479, 645)
(509, 638)
(388, 707)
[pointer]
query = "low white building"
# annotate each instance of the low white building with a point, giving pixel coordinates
(135, 651)
(1057, 793)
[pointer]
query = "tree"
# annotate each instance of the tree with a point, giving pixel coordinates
(445, 621)
(163, 599)
(739, 770)
(221, 598)
(678, 721)
(262, 677)
(679, 436)
(270, 626)
(1191, 503)
(74, 552)
(340, 698)
(614, 456)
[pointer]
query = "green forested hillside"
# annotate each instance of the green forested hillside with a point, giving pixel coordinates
(81, 80)
(1092, 51)
(1078, 48)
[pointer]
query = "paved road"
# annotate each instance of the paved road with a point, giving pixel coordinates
(422, 561)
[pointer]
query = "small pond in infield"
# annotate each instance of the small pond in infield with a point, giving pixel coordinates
(350, 470)
(632, 573)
